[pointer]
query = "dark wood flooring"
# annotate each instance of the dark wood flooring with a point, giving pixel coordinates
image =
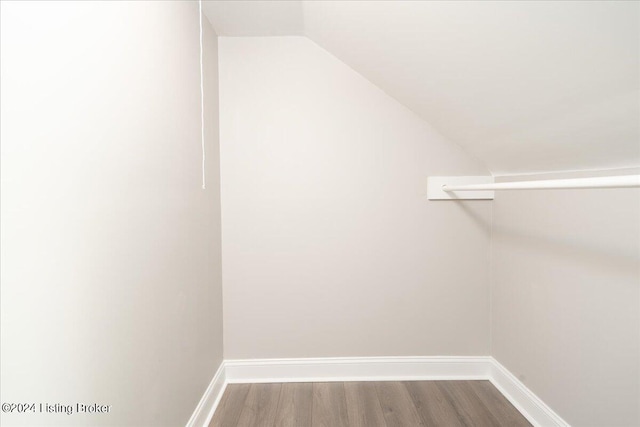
(366, 404)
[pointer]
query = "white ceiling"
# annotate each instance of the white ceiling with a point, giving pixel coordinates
(255, 18)
(524, 86)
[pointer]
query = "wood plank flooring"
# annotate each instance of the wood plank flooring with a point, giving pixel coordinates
(366, 404)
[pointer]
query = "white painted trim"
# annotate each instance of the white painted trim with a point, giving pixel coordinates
(375, 369)
(203, 413)
(356, 369)
(531, 406)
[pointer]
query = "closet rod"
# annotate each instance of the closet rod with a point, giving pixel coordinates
(625, 181)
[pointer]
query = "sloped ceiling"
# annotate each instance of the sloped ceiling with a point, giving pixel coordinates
(524, 86)
(255, 18)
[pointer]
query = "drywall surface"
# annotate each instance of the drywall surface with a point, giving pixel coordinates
(255, 18)
(527, 86)
(330, 246)
(111, 283)
(566, 298)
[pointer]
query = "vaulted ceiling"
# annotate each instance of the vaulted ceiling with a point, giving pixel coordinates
(526, 86)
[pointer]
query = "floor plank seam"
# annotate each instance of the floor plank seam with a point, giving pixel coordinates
(380, 405)
(453, 404)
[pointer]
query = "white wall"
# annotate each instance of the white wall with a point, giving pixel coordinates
(566, 298)
(111, 283)
(330, 247)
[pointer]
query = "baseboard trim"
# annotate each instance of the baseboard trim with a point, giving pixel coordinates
(531, 406)
(375, 369)
(356, 369)
(203, 413)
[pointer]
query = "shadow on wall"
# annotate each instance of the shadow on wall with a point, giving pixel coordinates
(466, 208)
(573, 251)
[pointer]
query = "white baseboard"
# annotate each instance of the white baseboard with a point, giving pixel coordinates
(356, 369)
(529, 405)
(203, 413)
(375, 369)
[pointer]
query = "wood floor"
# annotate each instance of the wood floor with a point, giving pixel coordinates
(366, 404)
